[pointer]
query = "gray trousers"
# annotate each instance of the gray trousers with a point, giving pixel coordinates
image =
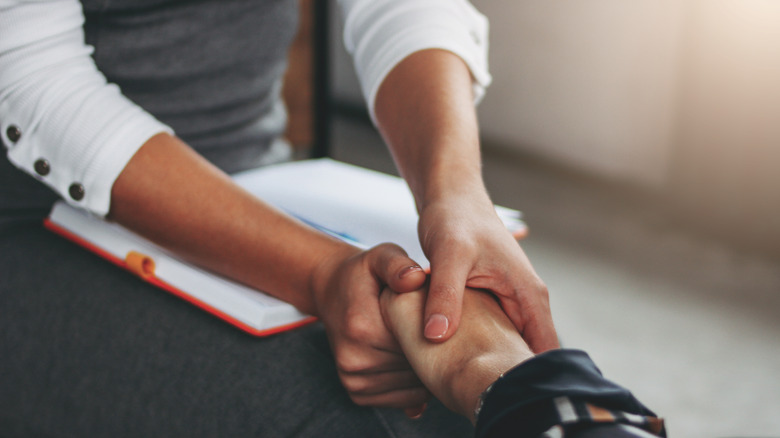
(89, 350)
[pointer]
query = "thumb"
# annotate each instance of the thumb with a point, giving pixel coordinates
(392, 267)
(445, 298)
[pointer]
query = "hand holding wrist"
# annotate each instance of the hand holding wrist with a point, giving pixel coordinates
(345, 289)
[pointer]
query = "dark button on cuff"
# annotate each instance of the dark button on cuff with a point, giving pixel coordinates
(76, 191)
(42, 167)
(13, 133)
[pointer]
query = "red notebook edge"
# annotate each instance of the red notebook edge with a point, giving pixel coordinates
(154, 280)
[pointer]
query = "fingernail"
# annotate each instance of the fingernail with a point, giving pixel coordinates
(408, 270)
(415, 413)
(436, 327)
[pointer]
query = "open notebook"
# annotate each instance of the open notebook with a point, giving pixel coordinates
(358, 205)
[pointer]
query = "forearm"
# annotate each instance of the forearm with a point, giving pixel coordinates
(425, 112)
(174, 197)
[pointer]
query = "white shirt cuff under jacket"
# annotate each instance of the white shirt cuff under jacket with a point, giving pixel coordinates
(59, 118)
(381, 33)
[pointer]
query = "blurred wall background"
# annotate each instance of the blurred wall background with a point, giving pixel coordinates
(677, 97)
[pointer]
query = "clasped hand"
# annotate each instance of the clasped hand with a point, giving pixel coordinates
(369, 360)
(467, 247)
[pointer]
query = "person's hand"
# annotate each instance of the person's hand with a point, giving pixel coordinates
(459, 370)
(370, 362)
(469, 246)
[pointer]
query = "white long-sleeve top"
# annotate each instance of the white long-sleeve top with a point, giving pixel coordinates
(64, 124)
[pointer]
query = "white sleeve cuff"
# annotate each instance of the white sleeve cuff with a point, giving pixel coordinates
(381, 33)
(59, 119)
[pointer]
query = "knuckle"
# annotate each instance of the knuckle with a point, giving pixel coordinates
(355, 361)
(356, 386)
(533, 290)
(533, 299)
(359, 328)
(359, 400)
(382, 254)
(541, 290)
(350, 363)
(387, 246)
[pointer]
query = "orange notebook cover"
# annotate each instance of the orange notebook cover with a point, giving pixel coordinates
(250, 310)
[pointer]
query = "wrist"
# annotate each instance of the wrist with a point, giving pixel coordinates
(457, 201)
(454, 184)
(322, 275)
(483, 371)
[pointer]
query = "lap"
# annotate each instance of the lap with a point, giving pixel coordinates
(91, 350)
